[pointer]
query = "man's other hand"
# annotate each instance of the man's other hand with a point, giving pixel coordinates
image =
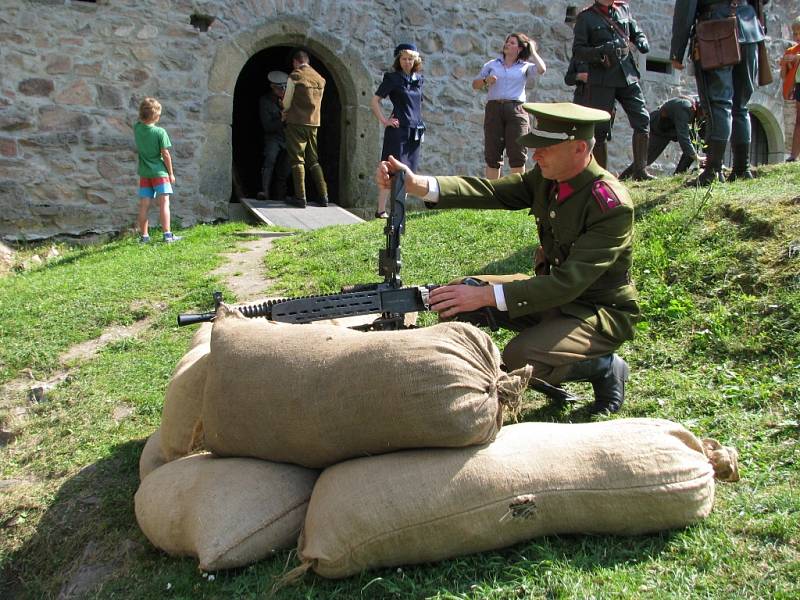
(449, 300)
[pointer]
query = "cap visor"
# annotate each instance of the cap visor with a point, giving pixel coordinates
(531, 140)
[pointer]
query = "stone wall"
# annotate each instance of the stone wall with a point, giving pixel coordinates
(74, 72)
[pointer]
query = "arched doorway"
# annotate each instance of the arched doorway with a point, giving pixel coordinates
(247, 137)
(353, 82)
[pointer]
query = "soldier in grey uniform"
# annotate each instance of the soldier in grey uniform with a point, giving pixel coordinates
(677, 120)
(604, 34)
(581, 304)
(276, 161)
(724, 92)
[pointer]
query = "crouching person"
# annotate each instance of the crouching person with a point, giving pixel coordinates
(581, 305)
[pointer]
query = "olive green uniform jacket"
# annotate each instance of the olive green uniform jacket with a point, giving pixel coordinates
(586, 238)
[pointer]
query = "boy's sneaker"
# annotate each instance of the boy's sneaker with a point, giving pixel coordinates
(145, 239)
(169, 237)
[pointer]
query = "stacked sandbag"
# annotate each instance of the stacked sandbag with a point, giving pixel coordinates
(228, 512)
(181, 428)
(628, 476)
(315, 395)
(152, 457)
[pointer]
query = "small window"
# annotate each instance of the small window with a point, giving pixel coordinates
(201, 22)
(572, 13)
(657, 65)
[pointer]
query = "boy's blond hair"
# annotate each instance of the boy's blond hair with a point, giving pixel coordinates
(796, 23)
(149, 110)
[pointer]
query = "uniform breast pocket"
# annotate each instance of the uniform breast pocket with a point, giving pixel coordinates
(600, 35)
(566, 237)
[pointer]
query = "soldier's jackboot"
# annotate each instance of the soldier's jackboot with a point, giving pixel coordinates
(266, 180)
(318, 177)
(741, 163)
(712, 172)
(626, 174)
(299, 180)
(640, 142)
(601, 152)
(608, 375)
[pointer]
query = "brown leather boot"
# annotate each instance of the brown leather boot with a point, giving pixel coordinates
(640, 143)
(601, 152)
(299, 180)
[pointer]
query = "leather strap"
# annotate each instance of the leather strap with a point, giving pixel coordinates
(614, 25)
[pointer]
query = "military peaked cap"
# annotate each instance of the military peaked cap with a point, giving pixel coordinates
(277, 77)
(557, 122)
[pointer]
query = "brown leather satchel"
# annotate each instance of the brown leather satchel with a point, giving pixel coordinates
(717, 43)
(764, 69)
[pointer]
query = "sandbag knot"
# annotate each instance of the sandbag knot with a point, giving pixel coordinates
(510, 386)
(724, 459)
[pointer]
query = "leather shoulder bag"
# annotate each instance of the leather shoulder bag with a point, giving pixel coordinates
(717, 42)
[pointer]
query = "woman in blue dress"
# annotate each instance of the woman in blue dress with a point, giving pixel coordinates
(404, 127)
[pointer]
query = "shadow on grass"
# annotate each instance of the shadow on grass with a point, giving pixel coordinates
(655, 201)
(520, 261)
(87, 534)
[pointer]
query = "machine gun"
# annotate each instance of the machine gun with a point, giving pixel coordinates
(389, 299)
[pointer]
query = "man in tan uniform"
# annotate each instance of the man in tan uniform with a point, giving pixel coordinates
(580, 305)
(301, 110)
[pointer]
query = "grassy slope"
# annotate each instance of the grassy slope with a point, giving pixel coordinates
(718, 352)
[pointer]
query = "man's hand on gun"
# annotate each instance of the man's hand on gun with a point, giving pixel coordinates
(447, 300)
(415, 184)
(450, 300)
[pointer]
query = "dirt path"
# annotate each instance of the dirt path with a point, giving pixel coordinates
(243, 273)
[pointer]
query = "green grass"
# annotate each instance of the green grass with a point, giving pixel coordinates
(718, 352)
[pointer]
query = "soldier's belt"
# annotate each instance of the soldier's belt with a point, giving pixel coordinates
(706, 9)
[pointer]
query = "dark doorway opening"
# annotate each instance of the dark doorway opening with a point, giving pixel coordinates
(247, 136)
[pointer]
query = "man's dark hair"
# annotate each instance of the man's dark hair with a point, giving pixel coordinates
(300, 55)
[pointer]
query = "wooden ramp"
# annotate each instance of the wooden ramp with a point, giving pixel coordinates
(273, 212)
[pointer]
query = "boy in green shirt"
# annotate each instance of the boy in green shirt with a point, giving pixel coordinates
(155, 167)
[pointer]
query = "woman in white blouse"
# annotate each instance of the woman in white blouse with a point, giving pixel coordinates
(505, 121)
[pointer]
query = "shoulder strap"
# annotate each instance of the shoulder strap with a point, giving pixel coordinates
(604, 195)
(611, 22)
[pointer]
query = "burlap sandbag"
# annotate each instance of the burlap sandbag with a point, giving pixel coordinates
(315, 395)
(228, 512)
(627, 476)
(151, 457)
(181, 428)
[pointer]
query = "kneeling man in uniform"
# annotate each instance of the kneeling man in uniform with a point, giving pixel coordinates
(580, 305)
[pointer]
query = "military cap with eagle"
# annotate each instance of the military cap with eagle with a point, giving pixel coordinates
(558, 122)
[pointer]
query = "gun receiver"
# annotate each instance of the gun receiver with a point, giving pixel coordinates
(389, 299)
